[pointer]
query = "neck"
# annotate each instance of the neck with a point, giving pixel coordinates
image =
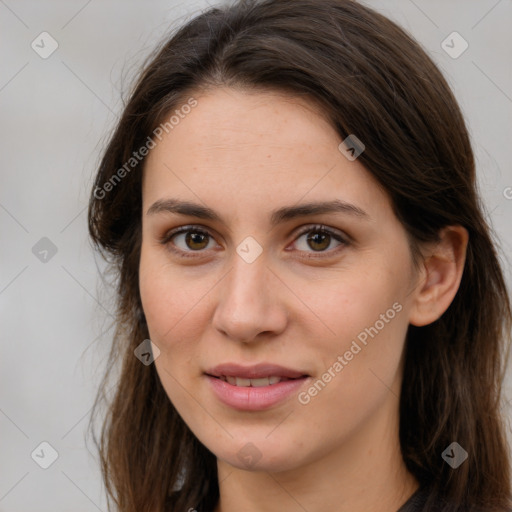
(366, 472)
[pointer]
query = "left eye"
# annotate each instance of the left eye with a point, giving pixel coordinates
(318, 239)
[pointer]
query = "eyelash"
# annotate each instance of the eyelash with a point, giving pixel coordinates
(318, 228)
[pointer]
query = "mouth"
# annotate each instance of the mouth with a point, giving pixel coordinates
(254, 383)
(262, 374)
(254, 388)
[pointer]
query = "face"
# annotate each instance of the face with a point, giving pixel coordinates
(267, 254)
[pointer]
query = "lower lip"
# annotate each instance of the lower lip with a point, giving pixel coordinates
(254, 398)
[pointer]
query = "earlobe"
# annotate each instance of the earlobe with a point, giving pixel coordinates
(440, 277)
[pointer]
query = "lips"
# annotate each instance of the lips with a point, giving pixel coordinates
(254, 388)
(262, 374)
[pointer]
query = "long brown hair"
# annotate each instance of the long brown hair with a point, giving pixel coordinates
(372, 80)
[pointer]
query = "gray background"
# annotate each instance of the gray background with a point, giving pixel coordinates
(56, 114)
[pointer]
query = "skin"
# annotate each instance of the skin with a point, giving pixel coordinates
(244, 154)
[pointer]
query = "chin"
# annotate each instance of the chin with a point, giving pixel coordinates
(255, 453)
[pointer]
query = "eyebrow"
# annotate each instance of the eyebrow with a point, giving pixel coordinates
(278, 216)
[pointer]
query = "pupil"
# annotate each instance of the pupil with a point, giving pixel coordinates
(318, 238)
(196, 238)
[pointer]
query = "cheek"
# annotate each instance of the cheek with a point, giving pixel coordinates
(170, 300)
(170, 295)
(353, 304)
(177, 306)
(366, 313)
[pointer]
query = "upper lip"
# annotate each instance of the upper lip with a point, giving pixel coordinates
(257, 371)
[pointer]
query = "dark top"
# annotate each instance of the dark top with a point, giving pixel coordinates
(415, 502)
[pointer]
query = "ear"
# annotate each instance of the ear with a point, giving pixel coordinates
(440, 276)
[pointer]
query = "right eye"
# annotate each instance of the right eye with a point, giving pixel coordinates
(188, 239)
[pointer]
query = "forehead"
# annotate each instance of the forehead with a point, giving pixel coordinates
(226, 120)
(260, 147)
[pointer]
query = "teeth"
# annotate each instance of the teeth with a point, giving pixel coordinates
(255, 383)
(243, 382)
(258, 383)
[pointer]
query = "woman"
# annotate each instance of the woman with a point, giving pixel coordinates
(289, 202)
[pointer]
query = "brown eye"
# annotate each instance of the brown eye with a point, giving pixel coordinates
(195, 240)
(319, 239)
(187, 240)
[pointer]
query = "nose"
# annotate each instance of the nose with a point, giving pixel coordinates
(249, 307)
